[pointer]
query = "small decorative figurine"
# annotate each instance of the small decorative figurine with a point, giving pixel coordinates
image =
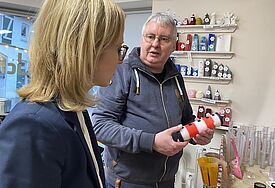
(227, 116)
(185, 21)
(183, 70)
(195, 71)
(208, 93)
(189, 71)
(225, 68)
(203, 44)
(229, 74)
(220, 21)
(233, 20)
(217, 95)
(193, 20)
(181, 46)
(201, 68)
(225, 71)
(201, 112)
(195, 43)
(211, 42)
(199, 95)
(207, 67)
(198, 21)
(220, 70)
(228, 19)
(191, 93)
(188, 42)
(206, 19)
(213, 18)
(214, 72)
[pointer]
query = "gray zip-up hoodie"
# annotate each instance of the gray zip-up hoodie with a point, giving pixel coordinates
(131, 111)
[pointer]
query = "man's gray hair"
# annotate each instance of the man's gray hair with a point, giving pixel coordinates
(165, 20)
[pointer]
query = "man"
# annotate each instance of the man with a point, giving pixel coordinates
(140, 110)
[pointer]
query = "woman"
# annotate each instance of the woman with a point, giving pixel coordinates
(47, 140)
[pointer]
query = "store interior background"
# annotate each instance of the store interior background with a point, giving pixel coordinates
(252, 90)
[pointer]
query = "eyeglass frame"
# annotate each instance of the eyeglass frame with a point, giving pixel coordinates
(162, 42)
(122, 51)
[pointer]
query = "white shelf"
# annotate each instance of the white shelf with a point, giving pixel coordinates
(206, 29)
(210, 101)
(207, 80)
(203, 54)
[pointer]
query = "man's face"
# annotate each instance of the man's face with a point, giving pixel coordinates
(157, 44)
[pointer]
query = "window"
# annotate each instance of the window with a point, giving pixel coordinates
(7, 28)
(14, 60)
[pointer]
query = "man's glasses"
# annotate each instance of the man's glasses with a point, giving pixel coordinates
(122, 51)
(150, 38)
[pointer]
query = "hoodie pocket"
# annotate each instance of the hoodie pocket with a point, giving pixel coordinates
(137, 167)
(111, 157)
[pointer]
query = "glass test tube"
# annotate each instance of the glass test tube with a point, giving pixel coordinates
(263, 153)
(252, 147)
(258, 146)
(272, 153)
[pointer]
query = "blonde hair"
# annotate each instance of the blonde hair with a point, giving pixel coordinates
(69, 38)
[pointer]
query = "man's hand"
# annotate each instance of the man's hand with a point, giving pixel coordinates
(164, 143)
(204, 137)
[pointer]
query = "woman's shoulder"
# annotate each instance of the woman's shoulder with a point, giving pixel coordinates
(27, 108)
(32, 113)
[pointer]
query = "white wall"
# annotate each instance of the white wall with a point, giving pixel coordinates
(252, 91)
(133, 27)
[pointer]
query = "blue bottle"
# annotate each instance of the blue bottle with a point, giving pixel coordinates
(203, 44)
(211, 42)
(195, 43)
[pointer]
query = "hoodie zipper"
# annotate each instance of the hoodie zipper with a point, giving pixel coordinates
(165, 111)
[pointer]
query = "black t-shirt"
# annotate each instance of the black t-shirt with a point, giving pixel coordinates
(159, 76)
